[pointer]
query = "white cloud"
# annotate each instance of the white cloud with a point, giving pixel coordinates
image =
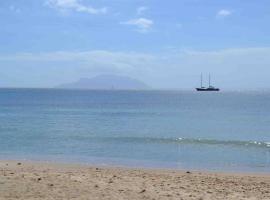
(224, 13)
(143, 25)
(74, 5)
(141, 10)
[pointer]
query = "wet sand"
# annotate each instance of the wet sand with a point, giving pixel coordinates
(36, 180)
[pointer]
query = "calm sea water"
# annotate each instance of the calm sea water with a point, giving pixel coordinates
(228, 131)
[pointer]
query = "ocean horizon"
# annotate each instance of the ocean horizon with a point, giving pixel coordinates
(175, 129)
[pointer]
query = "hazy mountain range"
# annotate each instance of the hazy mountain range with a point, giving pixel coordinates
(106, 82)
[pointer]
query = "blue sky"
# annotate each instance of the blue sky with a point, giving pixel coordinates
(166, 44)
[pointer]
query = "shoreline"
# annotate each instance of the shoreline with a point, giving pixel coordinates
(139, 164)
(71, 163)
(22, 179)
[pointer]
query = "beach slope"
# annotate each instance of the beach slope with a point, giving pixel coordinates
(34, 180)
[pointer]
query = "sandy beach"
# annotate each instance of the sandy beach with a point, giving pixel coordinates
(35, 180)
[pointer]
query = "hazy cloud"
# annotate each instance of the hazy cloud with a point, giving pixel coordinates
(141, 10)
(241, 68)
(14, 9)
(179, 25)
(116, 61)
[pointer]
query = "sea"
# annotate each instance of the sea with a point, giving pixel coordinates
(214, 131)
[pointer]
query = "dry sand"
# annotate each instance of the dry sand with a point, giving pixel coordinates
(32, 180)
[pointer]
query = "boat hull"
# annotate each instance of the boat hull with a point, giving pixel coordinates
(207, 89)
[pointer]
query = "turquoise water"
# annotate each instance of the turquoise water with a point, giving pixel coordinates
(226, 131)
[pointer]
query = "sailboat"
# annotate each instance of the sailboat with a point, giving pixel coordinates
(209, 88)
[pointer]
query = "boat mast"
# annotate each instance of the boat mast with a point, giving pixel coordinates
(201, 80)
(209, 80)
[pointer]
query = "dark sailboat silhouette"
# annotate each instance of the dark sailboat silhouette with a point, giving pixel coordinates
(209, 88)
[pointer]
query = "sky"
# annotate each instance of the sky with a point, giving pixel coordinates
(166, 44)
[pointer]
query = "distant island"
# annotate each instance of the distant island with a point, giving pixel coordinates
(106, 82)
